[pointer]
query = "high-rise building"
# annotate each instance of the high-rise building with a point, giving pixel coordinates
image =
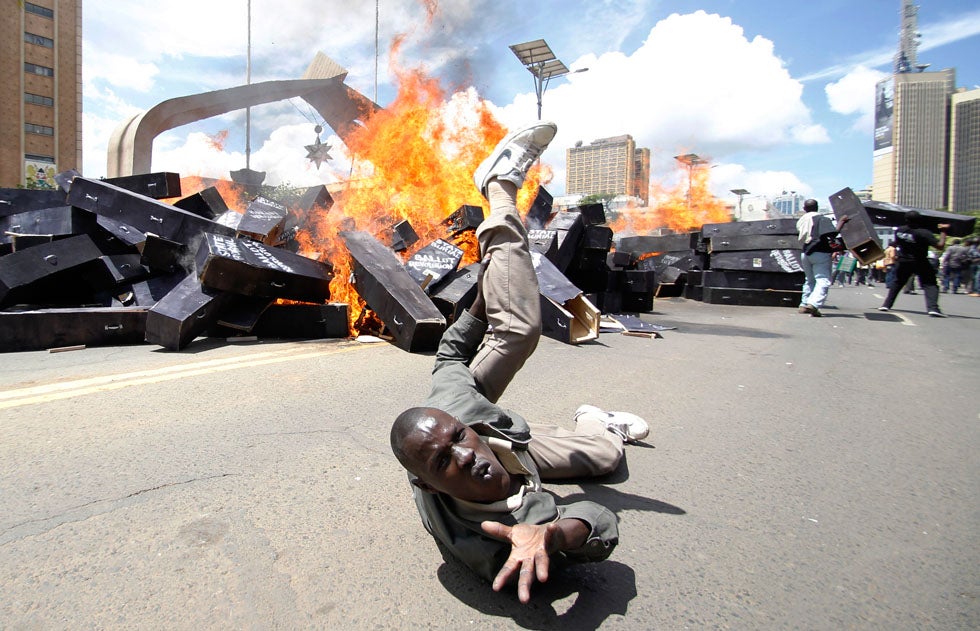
(911, 134)
(964, 151)
(41, 95)
(788, 204)
(613, 166)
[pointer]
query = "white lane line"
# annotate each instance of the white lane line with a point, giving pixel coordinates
(80, 387)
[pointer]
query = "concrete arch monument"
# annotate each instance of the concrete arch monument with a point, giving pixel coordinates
(130, 148)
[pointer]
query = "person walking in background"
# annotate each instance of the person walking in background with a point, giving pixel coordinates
(913, 242)
(819, 238)
(974, 252)
(844, 268)
(891, 264)
(955, 261)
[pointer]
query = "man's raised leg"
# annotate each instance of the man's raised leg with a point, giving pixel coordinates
(510, 286)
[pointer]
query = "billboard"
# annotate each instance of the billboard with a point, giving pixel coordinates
(39, 174)
(884, 115)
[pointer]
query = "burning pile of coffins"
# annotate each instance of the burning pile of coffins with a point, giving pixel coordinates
(102, 262)
(106, 262)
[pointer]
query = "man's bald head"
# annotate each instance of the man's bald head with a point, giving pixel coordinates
(406, 424)
(447, 456)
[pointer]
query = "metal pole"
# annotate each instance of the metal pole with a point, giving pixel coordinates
(248, 81)
(539, 88)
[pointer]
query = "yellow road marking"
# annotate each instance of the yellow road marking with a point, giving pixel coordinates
(69, 389)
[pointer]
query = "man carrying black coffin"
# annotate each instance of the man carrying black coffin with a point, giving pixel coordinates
(476, 469)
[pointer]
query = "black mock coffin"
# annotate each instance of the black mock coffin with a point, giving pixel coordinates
(758, 260)
(858, 233)
(886, 214)
(751, 297)
(184, 313)
(762, 226)
(754, 242)
(24, 273)
(52, 328)
(156, 185)
(249, 268)
(142, 212)
(566, 314)
(381, 280)
(434, 262)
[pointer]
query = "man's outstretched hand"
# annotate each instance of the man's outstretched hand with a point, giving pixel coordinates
(531, 547)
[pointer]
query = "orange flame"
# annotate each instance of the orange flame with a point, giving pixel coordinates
(234, 194)
(217, 141)
(414, 160)
(684, 208)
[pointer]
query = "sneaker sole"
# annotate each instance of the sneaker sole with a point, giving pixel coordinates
(486, 167)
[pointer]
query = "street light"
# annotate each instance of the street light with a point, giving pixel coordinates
(741, 192)
(541, 62)
(691, 160)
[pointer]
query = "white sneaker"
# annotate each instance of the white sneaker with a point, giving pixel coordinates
(882, 308)
(626, 425)
(514, 155)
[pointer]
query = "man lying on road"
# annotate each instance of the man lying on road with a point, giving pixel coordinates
(476, 468)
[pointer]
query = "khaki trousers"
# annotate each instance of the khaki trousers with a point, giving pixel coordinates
(588, 450)
(510, 288)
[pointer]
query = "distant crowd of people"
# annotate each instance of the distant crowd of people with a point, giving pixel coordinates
(957, 269)
(914, 254)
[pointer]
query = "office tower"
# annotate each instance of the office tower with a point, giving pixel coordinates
(788, 204)
(911, 133)
(613, 166)
(964, 152)
(41, 97)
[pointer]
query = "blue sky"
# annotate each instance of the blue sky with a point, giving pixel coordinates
(777, 95)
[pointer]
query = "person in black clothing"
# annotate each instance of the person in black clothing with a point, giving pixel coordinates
(913, 242)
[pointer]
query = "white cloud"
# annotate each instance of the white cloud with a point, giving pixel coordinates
(854, 94)
(726, 177)
(695, 85)
(282, 156)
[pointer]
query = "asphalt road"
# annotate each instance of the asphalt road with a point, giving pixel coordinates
(812, 473)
